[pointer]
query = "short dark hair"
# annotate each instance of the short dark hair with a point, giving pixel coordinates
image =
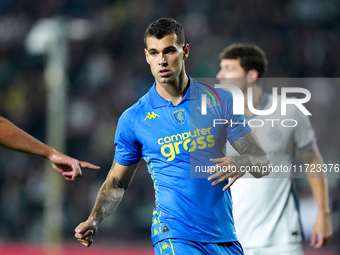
(163, 27)
(250, 56)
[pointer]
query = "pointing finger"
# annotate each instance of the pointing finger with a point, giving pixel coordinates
(88, 165)
(216, 160)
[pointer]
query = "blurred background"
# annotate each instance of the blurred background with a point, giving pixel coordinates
(86, 58)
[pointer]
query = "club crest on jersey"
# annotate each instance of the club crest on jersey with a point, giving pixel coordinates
(180, 116)
(274, 134)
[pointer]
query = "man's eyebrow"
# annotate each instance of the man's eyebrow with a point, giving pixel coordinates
(170, 48)
(166, 48)
(152, 49)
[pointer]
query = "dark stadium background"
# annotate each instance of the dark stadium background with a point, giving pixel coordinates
(107, 73)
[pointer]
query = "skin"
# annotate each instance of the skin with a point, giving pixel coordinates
(322, 230)
(108, 199)
(231, 69)
(166, 59)
(14, 138)
(232, 72)
(251, 153)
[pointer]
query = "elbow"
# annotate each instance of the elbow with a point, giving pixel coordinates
(263, 169)
(265, 166)
(266, 159)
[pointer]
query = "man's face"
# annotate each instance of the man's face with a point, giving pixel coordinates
(232, 72)
(165, 57)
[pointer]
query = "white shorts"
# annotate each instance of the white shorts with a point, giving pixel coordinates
(281, 249)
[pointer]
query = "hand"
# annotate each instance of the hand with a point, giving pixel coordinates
(85, 232)
(322, 231)
(68, 167)
(225, 169)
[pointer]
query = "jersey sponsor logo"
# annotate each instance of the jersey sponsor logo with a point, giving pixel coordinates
(180, 116)
(187, 141)
(151, 116)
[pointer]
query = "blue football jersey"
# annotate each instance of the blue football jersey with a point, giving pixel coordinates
(177, 142)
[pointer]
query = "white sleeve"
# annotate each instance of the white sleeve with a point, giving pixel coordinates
(304, 135)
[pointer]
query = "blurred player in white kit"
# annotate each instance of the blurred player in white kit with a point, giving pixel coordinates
(267, 222)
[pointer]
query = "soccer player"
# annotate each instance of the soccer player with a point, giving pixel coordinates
(14, 138)
(165, 128)
(267, 222)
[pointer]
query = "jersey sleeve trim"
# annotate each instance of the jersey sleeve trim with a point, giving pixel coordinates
(244, 131)
(124, 162)
(308, 146)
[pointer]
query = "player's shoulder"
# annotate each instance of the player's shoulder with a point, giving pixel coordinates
(292, 110)
(212, 88)
(137, 108)
(220, 93)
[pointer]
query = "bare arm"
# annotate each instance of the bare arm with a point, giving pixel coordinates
(322, 230)
(251, 154)
(108, 199)
(14, 138)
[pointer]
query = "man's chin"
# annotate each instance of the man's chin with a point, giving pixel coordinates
(165, 79)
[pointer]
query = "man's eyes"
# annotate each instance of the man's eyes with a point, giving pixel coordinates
(228, 68)
(155, 53)
(170, 51)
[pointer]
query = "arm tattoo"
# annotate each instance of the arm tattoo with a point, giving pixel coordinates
(113, 164)
(108, 199)
(248, 144)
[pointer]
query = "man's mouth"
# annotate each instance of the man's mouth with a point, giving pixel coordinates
(164, 72)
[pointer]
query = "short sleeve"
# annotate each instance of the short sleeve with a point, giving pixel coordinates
(128, 149)
(304, 135)
(237, 125)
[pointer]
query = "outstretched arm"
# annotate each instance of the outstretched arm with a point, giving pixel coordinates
(14, 138)
(251, 154)
(322, 230)
(108, 199)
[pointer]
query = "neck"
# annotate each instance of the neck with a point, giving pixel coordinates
(257, 100)
(175, 90)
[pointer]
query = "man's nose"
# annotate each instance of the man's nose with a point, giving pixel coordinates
(219, 75)
(162, 60)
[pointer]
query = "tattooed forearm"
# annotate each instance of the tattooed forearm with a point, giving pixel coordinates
(252, 154)
(248, 144)
(108, 199)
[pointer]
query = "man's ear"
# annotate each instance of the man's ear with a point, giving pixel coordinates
(186, 51)
(252, 76)
(146, 55)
